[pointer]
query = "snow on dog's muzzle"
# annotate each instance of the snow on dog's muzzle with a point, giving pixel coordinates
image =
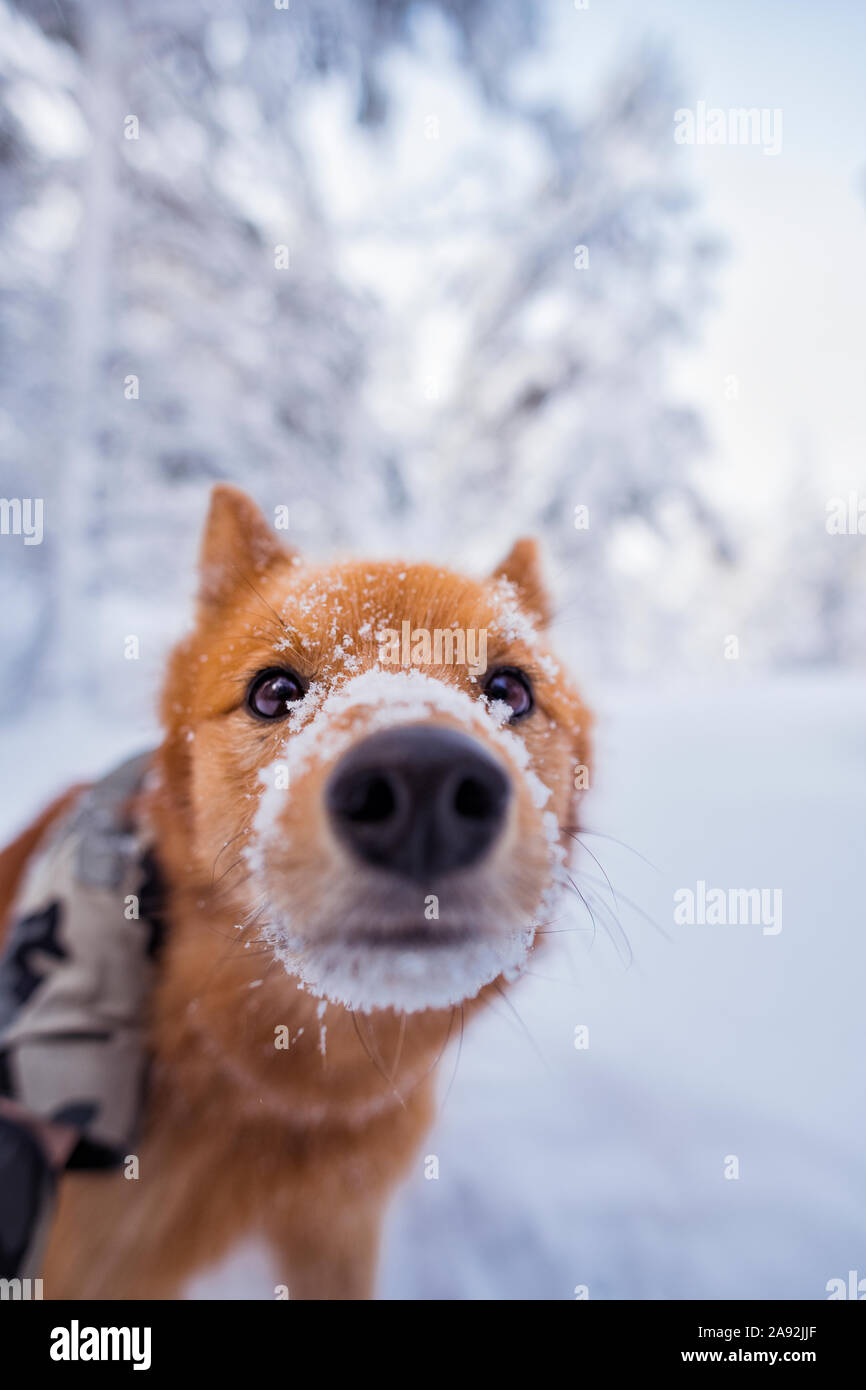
(404, 853)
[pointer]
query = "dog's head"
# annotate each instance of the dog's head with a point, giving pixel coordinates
(378, 760)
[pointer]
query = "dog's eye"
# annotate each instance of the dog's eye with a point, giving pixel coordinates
(271, 691)
(513, 687)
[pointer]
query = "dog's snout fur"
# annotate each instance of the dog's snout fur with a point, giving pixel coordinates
(421, 801)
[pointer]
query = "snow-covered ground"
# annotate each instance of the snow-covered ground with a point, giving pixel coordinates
(605, 1166)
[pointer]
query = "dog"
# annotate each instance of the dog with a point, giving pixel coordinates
(358, 842)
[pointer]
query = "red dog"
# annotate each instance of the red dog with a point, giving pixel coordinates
(353, 853)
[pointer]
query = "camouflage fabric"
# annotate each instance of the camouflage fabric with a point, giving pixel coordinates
(76, 972)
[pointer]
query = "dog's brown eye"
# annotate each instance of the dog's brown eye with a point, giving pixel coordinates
(513, 687)
(272, 691)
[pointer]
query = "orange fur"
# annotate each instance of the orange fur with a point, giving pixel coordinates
(13, 859)
(241, 1140)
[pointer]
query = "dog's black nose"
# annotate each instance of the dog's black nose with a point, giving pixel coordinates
(418, 800)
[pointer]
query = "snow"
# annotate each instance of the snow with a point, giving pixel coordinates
(512, 623)
(560, 1167)
(404, 977)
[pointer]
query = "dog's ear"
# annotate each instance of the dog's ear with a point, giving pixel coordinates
(522, 566)
(237, 545)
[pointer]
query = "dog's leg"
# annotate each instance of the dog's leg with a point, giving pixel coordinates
(334, 1258)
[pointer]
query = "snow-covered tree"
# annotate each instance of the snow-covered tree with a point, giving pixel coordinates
(341, 254)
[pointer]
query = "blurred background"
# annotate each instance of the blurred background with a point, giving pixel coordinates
(430, 276)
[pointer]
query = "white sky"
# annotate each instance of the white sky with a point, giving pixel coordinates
(790, 322)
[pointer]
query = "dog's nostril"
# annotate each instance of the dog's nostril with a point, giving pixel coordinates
(473, 800)
(369, 800)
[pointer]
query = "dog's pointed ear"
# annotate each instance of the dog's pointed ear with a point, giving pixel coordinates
(522, 567)
(237, 545)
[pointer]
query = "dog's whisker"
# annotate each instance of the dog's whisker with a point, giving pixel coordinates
(457, 1059)
(635, 907)
(240, 860)
(585, 903)
(252, 917)
(222, 852)
(441, 1052)
(605, 912)
(564, 931)
(614, 928)
(380, 1069)
(539, 1054)
(588, 851)
(371, 1033)
(600, 835)
(400, 1038)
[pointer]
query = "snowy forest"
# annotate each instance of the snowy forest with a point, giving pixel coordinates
(344, 255)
